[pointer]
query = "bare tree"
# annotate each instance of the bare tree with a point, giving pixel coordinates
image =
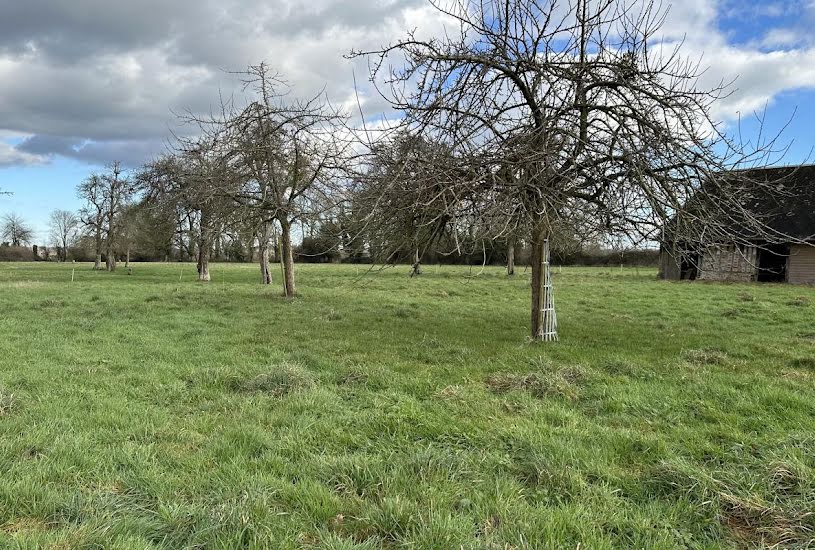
(92, 214)
(405, 183)
(64, 225)
(571, 111)
(290, 151)
(116, 192)
(16, 230)
(105, 196)
(200, 179)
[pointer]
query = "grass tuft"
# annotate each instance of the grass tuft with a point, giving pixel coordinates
(51, 303)
(807, 363)
(787, 478)
(800, 301)
(757, 523)
(403, 313)
(7, 403)
(560, 383)
(279, 381)
(732, 313)
(703, 357)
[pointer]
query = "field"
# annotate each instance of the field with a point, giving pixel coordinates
(151, 411)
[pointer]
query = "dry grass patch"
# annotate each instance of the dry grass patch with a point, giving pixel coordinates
(51, 303)
(702, 357)
(560, 383)
(24, 526)
(7, 403)
(279, 381)
(353, 378)
(757, 523)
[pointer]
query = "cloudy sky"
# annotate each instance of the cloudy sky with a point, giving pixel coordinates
(86, 82)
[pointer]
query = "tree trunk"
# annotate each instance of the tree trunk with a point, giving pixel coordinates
(203, 251)
(127, 258)
(416, 268)
(97, 266)
(191, 252)
(511, 258)
(289, 289)
(250, 250)
(544, 319)
(218, 247)
(203, 263)
(263, 246)
(110, 261)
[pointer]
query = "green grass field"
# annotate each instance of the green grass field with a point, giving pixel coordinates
(151, 411)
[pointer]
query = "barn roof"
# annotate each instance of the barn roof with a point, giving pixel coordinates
(790, 210)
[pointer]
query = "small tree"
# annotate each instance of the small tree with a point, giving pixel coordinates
(64, 226)
(17, 231)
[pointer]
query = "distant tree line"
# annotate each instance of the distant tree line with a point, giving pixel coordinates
(150, 234)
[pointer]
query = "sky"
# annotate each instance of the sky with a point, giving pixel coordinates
(87, 82)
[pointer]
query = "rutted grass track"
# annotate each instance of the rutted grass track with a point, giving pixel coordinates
(149, 411)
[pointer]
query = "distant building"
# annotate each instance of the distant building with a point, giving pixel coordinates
(790, 214)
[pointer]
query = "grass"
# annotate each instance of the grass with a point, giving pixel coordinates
(378, 411)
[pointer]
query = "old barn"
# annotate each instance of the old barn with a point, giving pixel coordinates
(790, 214)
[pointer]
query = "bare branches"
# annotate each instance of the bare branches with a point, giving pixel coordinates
(16, 230)
(574, 114)
(64, 225)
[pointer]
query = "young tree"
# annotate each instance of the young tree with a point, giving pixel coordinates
(559, 111)
(64, 225)
(16, 230)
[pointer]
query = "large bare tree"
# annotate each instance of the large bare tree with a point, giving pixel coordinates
(575, 112)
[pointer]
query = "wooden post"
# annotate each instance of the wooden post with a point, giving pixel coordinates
(549, 315)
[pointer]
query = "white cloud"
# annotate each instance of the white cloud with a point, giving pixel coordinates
(9, 156)
(781, 38)
(98, 79)
(760, 70)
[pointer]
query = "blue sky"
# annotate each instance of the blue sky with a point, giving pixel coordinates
(88, 82)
